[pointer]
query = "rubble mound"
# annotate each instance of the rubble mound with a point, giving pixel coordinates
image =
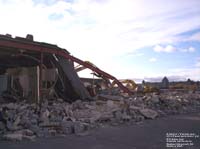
(22, 120)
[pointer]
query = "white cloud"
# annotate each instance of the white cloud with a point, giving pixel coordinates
(152, 59)
(170, 49)
(158, 48)
(101, 26)
(167, 49)
(94, 30)
(190, 49)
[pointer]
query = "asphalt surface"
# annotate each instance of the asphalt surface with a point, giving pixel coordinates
(150, 134)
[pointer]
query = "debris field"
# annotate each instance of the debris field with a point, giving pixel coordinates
(41, 94)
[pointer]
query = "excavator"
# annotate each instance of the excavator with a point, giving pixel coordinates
(150, 89)
(130, 84)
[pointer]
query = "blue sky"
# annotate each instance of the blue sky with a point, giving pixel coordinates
(140, 39)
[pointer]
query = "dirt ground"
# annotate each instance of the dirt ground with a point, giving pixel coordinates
(149, 134)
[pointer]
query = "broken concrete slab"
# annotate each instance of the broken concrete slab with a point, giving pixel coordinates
(67, 127)
(148, 113)
(79, 127)
(20, 135)
(13, 137)
(121, 116)
(109, 97)
(73, 78)
(155, 99)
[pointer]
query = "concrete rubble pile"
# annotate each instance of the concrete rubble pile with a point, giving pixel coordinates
(25, 121)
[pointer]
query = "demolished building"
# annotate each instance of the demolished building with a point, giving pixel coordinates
(29, 69)
(37, 70)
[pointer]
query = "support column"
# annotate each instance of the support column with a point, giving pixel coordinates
(40, 77)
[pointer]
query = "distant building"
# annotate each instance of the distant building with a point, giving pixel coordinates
(190, 82)
(165, 83)
(143, 82)
(180, 85)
